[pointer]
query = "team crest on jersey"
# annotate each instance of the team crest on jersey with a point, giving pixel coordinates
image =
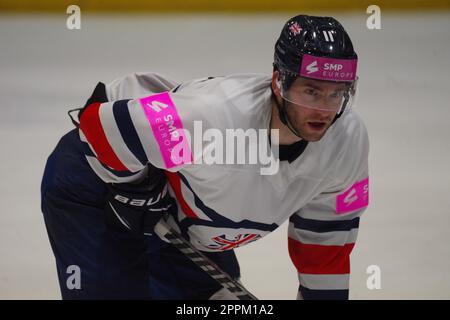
(223, 243)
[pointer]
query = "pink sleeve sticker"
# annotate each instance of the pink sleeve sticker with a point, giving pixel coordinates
(167, 128)
(354, 198)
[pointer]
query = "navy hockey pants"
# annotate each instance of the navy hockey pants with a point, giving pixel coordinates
(112, 264)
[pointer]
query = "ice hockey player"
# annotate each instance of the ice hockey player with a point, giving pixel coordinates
(110, 180)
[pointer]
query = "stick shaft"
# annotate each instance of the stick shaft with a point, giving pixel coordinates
(163, 230)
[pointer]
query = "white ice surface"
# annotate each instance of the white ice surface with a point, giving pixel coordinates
(404, 96)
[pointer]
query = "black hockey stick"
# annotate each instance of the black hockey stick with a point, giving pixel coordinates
(164, 231)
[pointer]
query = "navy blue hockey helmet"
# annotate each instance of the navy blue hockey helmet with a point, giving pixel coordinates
(308, 38)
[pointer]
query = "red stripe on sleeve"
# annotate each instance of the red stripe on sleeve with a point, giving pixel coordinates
(92, 128)
(175, 183)
(320, 259)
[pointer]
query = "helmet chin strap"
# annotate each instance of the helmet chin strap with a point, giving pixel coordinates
(344, 105)
(283, 116)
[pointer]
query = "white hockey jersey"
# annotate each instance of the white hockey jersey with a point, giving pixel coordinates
(322, 192)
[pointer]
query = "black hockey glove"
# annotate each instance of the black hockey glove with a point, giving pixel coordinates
(137, 208)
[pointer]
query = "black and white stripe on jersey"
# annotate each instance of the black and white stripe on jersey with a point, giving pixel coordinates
(323, 225)
(128, 131)
(217, 219)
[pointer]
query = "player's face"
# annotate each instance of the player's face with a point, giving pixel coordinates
(312, 123)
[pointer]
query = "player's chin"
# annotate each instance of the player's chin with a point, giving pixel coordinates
(312, 138)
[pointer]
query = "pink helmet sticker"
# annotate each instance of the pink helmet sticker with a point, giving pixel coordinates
(167, 128)
(328, 68)
(354, 198)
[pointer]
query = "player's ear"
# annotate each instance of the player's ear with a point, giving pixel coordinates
(276, 83)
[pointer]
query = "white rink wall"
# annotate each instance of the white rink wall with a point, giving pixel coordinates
(46, 69)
